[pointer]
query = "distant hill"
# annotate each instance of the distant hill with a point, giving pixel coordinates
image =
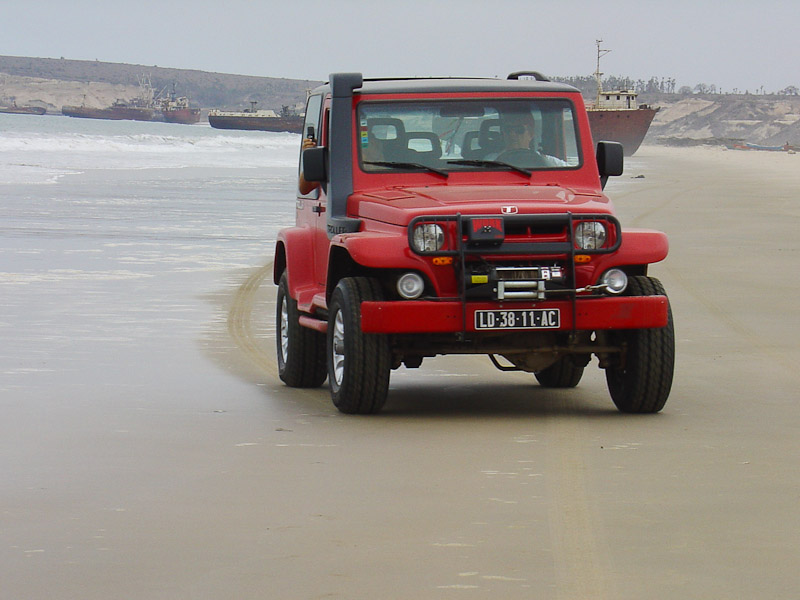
(761, 119)
(204, 89)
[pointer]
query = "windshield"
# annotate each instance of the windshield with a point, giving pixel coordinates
(446, 135)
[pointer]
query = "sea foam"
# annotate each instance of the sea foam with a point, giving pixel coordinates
(61, 146)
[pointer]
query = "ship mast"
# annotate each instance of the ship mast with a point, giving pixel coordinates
(597, 74)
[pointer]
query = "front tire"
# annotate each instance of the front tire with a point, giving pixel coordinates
(358, 363)
(301, 351)
(643, 382)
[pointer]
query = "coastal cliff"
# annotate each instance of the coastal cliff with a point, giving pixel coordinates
(761, 119)
(52, 83)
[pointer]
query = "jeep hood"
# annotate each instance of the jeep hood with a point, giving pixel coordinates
(399, 205)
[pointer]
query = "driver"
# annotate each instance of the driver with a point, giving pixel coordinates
(519, 132)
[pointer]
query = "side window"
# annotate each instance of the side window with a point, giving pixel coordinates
(310, 136)
(311, 124)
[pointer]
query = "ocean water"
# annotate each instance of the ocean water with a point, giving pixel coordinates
(113, 234)
(40, 150)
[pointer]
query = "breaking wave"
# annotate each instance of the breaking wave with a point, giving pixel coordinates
(62, 145)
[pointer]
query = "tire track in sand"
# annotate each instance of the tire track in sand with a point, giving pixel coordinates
(257, 341)
(580, 548)
(240, 323)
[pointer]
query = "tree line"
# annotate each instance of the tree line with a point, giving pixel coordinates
(657, 85)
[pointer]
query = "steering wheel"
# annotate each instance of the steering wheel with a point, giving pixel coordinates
(522, 157)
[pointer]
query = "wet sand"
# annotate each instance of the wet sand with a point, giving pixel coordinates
(180, 467)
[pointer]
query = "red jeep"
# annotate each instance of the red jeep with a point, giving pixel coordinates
(464, 216)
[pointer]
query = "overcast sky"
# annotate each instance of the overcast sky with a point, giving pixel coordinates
(731, 44)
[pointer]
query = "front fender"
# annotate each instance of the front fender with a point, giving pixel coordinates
(642, 247)
(388, 250)
(375, 250)
(294, 253)
(639, 248)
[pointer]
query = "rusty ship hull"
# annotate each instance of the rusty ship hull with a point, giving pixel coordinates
(114, 113)
(626, 126)
(176, 109)
(185, 116)
(22, 110)
(276, 124)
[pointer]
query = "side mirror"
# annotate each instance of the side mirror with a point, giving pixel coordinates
(609, 160)
(315, 164)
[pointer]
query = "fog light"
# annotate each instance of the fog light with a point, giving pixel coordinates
(615, 281)
(410, 286)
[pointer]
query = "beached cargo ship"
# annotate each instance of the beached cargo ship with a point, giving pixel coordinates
(118, 111)
(616, 116)
(256, 119)
(177, 110)
(22, 110)
(141, 108)
(628, 126)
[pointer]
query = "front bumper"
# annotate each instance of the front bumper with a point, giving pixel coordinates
(590, 314)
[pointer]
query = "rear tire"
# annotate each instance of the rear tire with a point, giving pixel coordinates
(563, 373)
(642, 384)
(358, 363)
(301, 351)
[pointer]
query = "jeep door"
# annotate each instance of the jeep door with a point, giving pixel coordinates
(311, 207)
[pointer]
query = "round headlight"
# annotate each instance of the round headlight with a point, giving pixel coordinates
(428, 237)
(590, 235)
(615, 281)
(410, 286)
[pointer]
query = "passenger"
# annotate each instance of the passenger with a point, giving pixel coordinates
(306, 187)
(373, 151)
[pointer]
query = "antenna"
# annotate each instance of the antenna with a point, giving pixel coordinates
(598, 74)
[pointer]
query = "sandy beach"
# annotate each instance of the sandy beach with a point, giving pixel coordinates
(149, 450)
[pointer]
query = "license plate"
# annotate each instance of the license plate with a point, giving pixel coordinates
(532, 318)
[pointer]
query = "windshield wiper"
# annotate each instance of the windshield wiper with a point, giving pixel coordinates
(489, 163)
(407, 165)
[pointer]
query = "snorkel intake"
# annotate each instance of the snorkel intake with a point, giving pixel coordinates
(340, 152)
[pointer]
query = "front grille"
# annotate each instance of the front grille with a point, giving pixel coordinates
(531, 258)
(527, 273)
(525, 282)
